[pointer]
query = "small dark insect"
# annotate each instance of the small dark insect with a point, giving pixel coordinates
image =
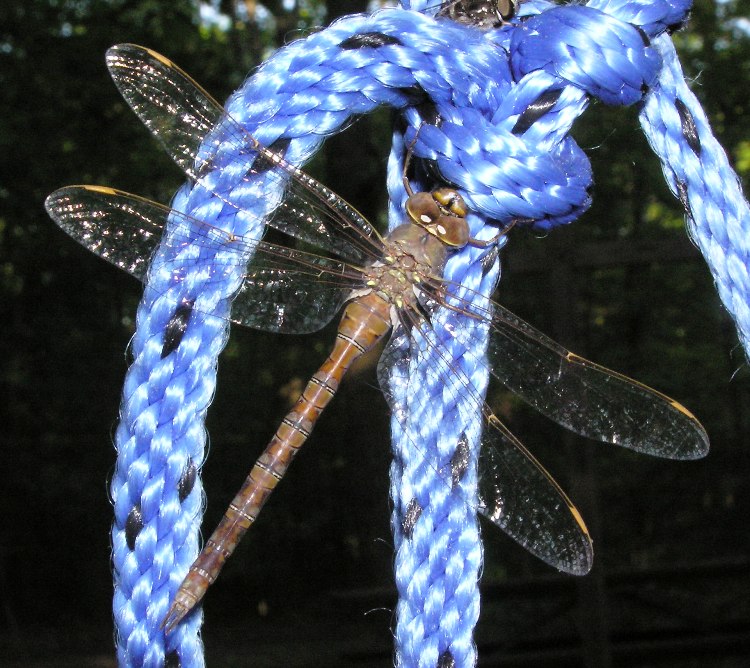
(484, 14)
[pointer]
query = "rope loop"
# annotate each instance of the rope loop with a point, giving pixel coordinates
(491, 111)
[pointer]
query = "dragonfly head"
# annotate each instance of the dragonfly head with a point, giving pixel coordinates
(442, 213)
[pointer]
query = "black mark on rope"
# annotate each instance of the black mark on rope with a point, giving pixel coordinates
(262, 163)
(431, 173)
(644, 37)
(676, 27)
(176, 327)
(172, 660)
(373, 40)
(133, 526)
(536, 110)
(689, 131)
(413, 511)
(187, 480)
(682, 194)
(446, 660)
(460, 460)
(429, 114)
(415, 95)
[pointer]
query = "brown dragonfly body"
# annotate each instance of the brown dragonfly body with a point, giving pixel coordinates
(393, 283)
(416, 250)
(365, 321)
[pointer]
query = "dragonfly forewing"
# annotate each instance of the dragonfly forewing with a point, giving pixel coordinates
(215, 150)
(578, 394)
(282, 290)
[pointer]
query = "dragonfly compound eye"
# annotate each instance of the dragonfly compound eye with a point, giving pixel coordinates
(450, 201)
(442, 213)
(506, 9)
(451, 230)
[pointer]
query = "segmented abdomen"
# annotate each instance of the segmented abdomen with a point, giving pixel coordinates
(365, 321)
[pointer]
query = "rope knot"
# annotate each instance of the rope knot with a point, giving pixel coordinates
(608, 58)
(505, 176)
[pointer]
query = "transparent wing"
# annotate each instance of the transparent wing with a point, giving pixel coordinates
(284, 290)
(215, 150)
(515, 492)
(578, 394)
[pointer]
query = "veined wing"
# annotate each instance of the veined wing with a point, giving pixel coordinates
(516, 493)
(578, 394)
(215, 150)
(284, 290)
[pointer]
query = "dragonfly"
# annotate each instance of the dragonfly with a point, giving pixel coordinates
(392, 283)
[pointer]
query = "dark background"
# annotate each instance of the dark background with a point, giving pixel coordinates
(622, 285)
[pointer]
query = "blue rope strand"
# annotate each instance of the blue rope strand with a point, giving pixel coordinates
(507, 167)
(438, 557)
(161, 434)
(698, 173)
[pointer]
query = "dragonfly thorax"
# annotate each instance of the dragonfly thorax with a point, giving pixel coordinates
(411, 255)
(436, 224)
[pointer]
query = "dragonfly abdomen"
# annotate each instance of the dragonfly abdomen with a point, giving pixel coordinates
(364, 322)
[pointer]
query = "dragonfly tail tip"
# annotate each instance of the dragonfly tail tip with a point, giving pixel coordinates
(174, 616)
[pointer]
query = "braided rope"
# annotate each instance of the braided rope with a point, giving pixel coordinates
(507, 99)
(699, 174)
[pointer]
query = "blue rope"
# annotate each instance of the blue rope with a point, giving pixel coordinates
(511, 162)
(438, 557)
(699, 174)
(306, 91)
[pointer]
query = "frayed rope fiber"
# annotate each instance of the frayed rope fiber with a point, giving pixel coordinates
(507, 99)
